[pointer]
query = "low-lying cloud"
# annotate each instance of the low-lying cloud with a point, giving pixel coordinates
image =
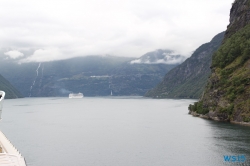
(14, 54)
(42, 55)
(159, 57)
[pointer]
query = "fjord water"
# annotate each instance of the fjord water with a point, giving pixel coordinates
(122, 131)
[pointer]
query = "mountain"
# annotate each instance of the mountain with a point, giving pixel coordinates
(10, 91)
(188, 80)
(226, 96)
(91, 75)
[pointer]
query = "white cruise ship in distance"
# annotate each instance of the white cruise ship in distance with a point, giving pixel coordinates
(9, 155)
(75, 95)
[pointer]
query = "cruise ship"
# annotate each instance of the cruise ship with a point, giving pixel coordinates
(9, 155)
(75, 95)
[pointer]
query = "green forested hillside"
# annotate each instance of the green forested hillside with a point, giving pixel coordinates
(10, 91)
(227, 94)
(188, 80)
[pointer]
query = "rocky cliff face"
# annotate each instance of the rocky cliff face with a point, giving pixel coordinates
(188, 80)
(239, 17)
(227, 94)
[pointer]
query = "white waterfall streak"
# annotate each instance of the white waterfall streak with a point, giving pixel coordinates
(31, 87)
(38, 69)
(42, 70)
(41, 79)
(41, 76)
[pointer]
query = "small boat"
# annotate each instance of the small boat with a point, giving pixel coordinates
(75, 95)
(9, 155)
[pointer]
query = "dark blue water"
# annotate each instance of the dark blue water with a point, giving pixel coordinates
(119, 132)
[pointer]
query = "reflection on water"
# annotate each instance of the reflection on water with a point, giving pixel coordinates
(120, 131)
(233, 139)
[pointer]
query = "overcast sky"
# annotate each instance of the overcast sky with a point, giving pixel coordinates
(47, 30)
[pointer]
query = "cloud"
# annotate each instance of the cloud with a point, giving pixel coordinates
(123, 28)
(160, 57)
(42, 55)
(14, 54)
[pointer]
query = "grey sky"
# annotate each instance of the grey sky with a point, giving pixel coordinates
(59, 29)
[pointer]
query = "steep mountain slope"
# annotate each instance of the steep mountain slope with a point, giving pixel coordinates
(10, 91)
(188, 79)
(227, 94)
(47, 78)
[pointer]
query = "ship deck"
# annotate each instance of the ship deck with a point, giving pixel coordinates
(9, 155)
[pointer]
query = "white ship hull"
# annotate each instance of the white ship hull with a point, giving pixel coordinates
(75, 95)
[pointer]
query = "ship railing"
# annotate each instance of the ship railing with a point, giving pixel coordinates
(11, 160)
(2, 95)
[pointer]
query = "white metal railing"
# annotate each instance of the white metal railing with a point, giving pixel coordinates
(2, 95)
(9, 155)
(10, 160)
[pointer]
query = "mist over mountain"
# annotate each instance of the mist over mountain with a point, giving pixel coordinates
(91, 75)
(159, 57)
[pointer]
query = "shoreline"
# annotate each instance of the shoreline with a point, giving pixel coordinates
(194, 114)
